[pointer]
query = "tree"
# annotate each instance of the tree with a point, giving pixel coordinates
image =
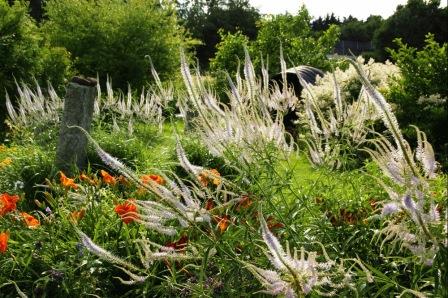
(358, 30)
(322, 24)
(25, 54)
(110, 37)
(411, 23)
(204, 18)
(299, 44)
(35, 8)
(421, 92)
(230, 51)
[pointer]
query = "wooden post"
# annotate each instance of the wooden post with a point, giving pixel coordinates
(78, 111)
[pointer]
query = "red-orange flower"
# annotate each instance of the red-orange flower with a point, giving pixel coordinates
(156, 178)
(180, 244)
(209, 204)
(127, 211)
(84, 177)
(273, 223)
(244, 203)
(4, 236)
(30, 220)
(223, 223)
(67, 182)
(207, 176)
(8, 203)
(108, 178)
(123, 181)
(77, 215)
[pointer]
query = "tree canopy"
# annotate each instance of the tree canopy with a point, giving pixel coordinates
(411, 23)
(204, 18)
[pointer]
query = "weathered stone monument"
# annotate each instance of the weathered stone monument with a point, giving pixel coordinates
(78, 111)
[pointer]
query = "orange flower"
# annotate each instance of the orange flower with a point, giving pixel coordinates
(223, 223)
(216, 177)
(207, 176)
(203, 179)
(245, 203)
(77, 215)
(30, 220)
(273, 223)
(84, 177)
(108, 178)
(67, 182)
(156, 178)
(7, 203)
(4, 236)
(180, 244)
(209, 204)
(373, 204)
(123, 181)
(127, 211)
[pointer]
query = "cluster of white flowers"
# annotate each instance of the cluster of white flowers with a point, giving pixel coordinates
(333, 119)
(147, 109)
(253, 118)
(408, 186)
(298, 275)
(379, 74)
(35, 106)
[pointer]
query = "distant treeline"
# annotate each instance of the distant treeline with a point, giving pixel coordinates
(410, 22)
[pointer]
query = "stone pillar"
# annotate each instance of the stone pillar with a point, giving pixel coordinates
(78, 111)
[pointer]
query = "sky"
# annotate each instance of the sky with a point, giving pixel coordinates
(360, 9)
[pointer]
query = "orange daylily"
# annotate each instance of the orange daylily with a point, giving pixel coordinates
(245, 203)
(4, 236)
(84, 177)
(108, 178)
(67, 182)
(123, 181)
(223, 222)
(180, 244)
(77, 215)
(273, 223)
(7, 203)
(127, 211)
(30, 220)
(207, 176)
(209, 204)
(145, 179)
(156, 178)
(373, 204)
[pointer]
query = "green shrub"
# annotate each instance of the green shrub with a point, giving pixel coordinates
(412, 22)
(25, 55)
(422, 90)
(229, 56)
(292, 32)
(27, 167)
(230, 51)
(299, 45)
(110, 37)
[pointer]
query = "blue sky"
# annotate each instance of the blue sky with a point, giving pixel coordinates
(360, 9)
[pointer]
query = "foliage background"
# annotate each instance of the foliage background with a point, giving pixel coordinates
(110, 37)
